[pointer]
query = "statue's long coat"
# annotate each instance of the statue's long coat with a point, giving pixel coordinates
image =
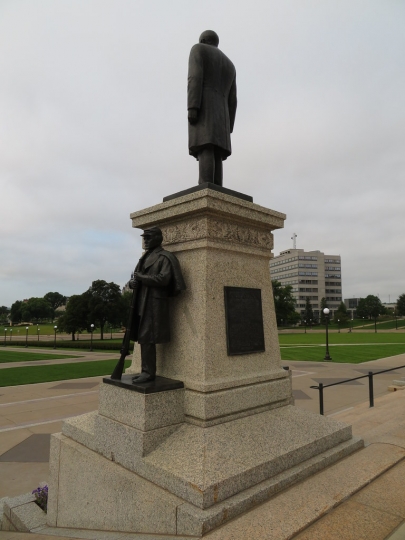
(212, 90)
(163, 279)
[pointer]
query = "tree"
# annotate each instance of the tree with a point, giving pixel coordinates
(76, 316)
(361, 309)
(284, 303)
(370, 307)
(56, 300)
(15, 312)
(308, 314)
(35, 309)
(341, 314)
(401, 305)
(105, 303)
(324, 305)
(4, 311)
(126, 300)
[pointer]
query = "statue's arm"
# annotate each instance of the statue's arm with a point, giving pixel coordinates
(232, 104)
(195, 83)
(161, 279)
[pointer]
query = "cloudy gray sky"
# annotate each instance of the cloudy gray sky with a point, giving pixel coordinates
(93, 126)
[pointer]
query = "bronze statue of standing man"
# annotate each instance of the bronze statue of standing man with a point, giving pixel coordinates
(211, 103)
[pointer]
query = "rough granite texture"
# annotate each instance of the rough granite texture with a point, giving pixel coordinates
(53, 482)
(27, 517)
(95, 493)
(125, 444)
(207, 465)
(294, 509)
(194, 521)
(144, 412)
(230, 401)
(81, 429)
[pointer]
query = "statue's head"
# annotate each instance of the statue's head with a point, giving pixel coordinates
(209, 37)
(152, 238)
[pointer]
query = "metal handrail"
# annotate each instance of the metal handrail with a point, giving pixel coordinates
(320, 387)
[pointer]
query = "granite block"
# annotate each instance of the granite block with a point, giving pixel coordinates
(3, 516)
(84, 534)
(6, 525)
(53, 484)
(81, 429)
(226, 402)
(352, 521)
(28, 516)
(207, 465)
(95, 493)
(144, 412)
(293, 510)
(194, 521)
(386, 493)
(11, 503)
(125, 444)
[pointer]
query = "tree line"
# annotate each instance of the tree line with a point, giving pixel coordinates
(102, 304)
(34, 309)
(368, 308)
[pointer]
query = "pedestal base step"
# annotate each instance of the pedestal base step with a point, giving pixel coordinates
(280, 518)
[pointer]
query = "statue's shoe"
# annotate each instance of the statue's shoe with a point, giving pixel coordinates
(143, 377)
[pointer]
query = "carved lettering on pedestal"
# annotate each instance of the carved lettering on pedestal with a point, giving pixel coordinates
(216, 230)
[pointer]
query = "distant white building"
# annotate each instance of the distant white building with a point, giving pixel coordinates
(313, 275)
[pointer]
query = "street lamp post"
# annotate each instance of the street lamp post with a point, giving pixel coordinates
(91, 339)
(38, 329)
(54, 342)
(338, 326)
(327, 355)
(5, 334)
(26, 336)
(310, 324)
(350, 325)
(11, 333)
(305, 321)
(111, 331)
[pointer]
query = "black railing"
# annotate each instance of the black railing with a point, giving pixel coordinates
(320, 387)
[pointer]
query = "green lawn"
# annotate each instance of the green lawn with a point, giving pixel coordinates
(13, 356)
(316, 338)
(59, 372)
(344, 347)
(353, 354)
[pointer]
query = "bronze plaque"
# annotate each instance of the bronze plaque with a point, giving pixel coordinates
(244, 320)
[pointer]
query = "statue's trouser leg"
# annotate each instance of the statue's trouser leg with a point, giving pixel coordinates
(206, 163)
(148, 357)
(218, 168)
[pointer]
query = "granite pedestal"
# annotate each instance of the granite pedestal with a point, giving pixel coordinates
(187, 459)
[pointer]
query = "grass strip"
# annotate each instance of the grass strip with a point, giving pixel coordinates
(347, 354)
(14, 356)
(58, 372)
(346, 338)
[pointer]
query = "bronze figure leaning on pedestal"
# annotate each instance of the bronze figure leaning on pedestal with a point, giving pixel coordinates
(156, 278)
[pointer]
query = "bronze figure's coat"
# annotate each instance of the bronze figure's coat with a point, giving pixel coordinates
(161, 279)
(212, 90)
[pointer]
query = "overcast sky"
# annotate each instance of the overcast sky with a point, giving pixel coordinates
(93, 126)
